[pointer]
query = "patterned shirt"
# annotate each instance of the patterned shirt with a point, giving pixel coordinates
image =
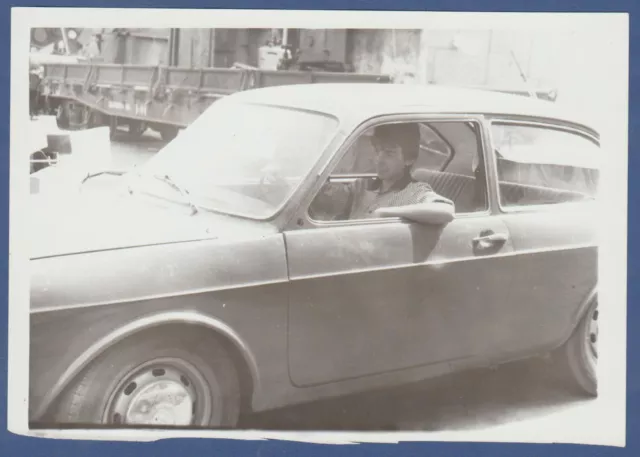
(404, 192)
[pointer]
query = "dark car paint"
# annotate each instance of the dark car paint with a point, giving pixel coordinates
(283, 336)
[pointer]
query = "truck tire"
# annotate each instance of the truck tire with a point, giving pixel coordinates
(62, 115)
(136, 129)
(113, 127)
(170, 378)
(169, 133)
(580, 353)
(96, 119)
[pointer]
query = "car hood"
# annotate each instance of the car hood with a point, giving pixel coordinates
(79, 223)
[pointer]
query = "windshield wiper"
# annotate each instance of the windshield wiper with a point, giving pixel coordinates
(100, 173)
(184, 192)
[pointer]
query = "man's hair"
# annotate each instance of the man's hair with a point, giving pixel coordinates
(405, 135)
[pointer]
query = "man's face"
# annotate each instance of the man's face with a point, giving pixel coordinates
(390, 162)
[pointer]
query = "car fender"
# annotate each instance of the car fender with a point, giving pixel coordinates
(139, 325)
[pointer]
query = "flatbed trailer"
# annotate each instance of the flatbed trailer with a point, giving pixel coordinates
(165, 99)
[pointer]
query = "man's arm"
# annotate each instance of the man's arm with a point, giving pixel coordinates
(429, 208)
(438, 213)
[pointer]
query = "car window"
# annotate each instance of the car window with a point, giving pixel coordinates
(360, 158)
(434, 151)
(464, 139)
(540, 165)
(355, 181)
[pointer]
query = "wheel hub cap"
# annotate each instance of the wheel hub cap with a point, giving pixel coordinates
(592, 335)
(158, 394)
(161, 403)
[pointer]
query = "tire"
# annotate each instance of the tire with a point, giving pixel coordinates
(580, 353)
(111, 391)
(113, 127)
(96, 119)
(62, 115)
(137, 129)
(168, 133)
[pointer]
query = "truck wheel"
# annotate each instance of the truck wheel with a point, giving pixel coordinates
(96, 119)
(171, 379)
(113, 127)
(168, 133)
(62, 115)
(137, 129)
(581, 354)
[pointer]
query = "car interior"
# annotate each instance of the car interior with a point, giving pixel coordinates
(450, 161)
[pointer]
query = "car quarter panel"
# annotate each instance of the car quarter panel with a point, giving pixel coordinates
(78, 300)
(557, 270)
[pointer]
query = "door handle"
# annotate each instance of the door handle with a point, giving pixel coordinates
(488, 238)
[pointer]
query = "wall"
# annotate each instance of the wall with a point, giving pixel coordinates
(201, 48)
(569, 61)
(148, 47)
(255, 39)
(476, 57)
(454, 58)
(195, 48)
(394, 52)
(577, 63)
(138, 47)
(332, 40)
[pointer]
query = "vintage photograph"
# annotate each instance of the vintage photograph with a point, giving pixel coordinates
(334, 229)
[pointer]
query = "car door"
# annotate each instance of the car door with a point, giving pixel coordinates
(548, 183)
(377, 295)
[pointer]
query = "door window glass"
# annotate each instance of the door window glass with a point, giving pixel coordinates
(445, 158)
(542, 165)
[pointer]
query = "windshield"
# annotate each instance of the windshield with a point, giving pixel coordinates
(242, 159)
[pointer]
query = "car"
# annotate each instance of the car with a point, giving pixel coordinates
(212, 281)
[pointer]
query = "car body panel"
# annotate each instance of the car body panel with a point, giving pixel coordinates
(220, 280)
(95, 220)
(156, 322)
(381, 297)
(546, 300)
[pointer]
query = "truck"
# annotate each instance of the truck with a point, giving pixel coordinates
(162, 98)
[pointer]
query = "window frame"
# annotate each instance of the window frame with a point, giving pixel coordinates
(543, 123)
(449, 157)
(447, 143)
(305, 221)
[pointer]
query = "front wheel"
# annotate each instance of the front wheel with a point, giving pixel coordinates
(581, 352)
(178, 379)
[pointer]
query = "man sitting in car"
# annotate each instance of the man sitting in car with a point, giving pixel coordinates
(394, 193)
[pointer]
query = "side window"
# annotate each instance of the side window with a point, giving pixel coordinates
(435, 153)
(444, 158)
(360, 159)
(464, 138)
(543, 165)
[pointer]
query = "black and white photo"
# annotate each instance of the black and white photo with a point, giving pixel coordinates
(370, 226)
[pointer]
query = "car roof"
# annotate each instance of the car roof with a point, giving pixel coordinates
(364, 100)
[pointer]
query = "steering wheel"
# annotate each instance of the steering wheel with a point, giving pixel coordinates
(330, 203)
